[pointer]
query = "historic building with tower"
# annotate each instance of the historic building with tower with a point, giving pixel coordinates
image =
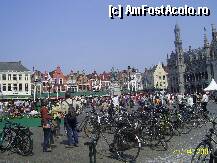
(192, 70)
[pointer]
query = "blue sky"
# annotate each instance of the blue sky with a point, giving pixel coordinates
(79, 34)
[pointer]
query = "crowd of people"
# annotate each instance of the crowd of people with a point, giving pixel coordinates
(52, 112)
(69, 108)
(17, 107)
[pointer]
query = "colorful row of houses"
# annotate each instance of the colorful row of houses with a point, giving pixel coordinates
(18, 81)
(57, 81)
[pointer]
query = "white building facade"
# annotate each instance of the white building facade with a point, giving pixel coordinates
(135, 84)
(15, 80)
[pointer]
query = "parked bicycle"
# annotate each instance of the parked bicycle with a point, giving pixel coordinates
(123, 143)
(206, 151)
(16, 138)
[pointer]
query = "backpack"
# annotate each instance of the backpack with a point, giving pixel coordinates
(71, 111)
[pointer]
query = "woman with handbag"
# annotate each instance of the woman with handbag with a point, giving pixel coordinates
(46, 125)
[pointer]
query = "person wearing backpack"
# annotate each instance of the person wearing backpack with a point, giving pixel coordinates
(70, 122)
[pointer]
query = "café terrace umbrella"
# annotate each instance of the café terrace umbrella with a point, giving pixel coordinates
(212, 86)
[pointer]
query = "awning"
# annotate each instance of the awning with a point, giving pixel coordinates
(15, 97)
(89, 93)
(212, 86)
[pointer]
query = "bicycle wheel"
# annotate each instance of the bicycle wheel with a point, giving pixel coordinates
(201, 153)
(160, 145)
(185, 128)
(195, 123)
(7, 138)
(168, 132)
(103, 144)
(145, 135)
(158, 142)
(24, 145)
(126, 144)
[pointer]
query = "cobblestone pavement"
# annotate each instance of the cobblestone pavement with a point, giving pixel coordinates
(175, 154)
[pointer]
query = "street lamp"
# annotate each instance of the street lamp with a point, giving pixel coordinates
(49, 83)
(129, 78)
(1, 94)
(34, 91)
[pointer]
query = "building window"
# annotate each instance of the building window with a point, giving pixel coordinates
(164, 77)
(61, 81)
(55, 81)
(20, 76)
(9, 76)
(26, 87)
(3, 76)
(9, 87)
(14, 76)
(26, 77)
(20, 87)
(160, 77)
(206, 75)
(15, 87)
(4, 87)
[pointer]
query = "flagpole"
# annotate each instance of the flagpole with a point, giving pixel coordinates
(57, 92)
(34, 94)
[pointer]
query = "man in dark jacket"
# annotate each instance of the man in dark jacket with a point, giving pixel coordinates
(70, 124)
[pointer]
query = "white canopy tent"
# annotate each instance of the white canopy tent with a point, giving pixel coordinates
(212, 86)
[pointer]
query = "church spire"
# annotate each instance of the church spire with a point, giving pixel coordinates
(177, 33)
(180, 59)
(178, 41)
(213, 28)
(206, 42)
